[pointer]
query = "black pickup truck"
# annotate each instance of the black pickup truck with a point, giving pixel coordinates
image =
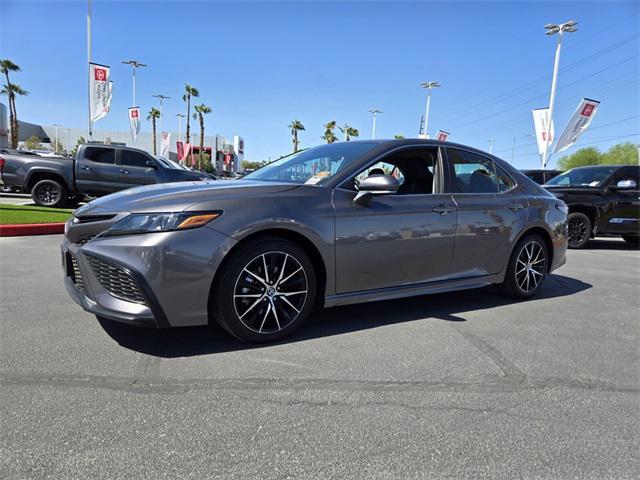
(97, 170)
(602, 200)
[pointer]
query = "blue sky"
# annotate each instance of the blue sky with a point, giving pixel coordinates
(262, 64)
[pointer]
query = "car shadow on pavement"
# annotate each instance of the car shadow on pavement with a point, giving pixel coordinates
(192, 341)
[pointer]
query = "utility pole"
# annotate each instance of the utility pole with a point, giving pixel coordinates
(552, 29)
(429, 86)
(374, 112)
(134, 66)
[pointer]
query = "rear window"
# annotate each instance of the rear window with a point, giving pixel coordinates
(100, 155)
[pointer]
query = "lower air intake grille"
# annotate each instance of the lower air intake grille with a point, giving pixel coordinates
(116, 280)
(74, 272)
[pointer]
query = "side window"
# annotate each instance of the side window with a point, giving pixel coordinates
(536, 177)
(477, 174)
(100, 155)
(133, 159)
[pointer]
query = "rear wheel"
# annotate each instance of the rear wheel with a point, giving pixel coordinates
(527, 268)
(579, 229)
(265, 291)
(49, 193)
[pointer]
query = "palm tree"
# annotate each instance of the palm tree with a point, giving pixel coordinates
(295, 126)
(349, 132)
(201, 111)
(7, 66)
(154, 114)
(189, 92)
(329, 136)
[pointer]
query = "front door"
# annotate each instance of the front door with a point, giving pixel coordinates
(400, 239)
(134, 169)
(623, 213)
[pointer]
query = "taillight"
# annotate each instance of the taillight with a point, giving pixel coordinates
(1, 164)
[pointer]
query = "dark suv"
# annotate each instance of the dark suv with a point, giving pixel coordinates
(602, 199)
(541, 176)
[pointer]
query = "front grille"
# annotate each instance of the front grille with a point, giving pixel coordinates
(93, 218)
(85, 239)
(73, 270)
(116, 280)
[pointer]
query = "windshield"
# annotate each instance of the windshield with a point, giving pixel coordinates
(170, 163)
(313, 166)
(584, 176)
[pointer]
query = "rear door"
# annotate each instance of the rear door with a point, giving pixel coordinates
(96, 170)
(134, 170)
(489, 209)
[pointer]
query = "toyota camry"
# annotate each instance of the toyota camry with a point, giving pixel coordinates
(332, 225)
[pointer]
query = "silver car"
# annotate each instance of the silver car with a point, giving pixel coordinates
(333, 225)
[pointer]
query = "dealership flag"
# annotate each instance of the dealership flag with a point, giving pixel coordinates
(442, 136)
(134, 122)
(541, 122)
(100, 91)
(164, 146)
(180, 151)
(579, 122)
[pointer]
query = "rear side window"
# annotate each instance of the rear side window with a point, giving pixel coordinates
(133, 159)
(477, 174)
(100, 155)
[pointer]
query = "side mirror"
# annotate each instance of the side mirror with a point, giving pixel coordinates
(626, 185)
(152, 164)
(375, 185)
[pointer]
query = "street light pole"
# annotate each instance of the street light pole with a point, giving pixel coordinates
(56, 147)
(428, 86)
(89, 68)
(491, 142)
(552, 29)
(374, 112)
(134, 65)
(180, 117)
(161, 97)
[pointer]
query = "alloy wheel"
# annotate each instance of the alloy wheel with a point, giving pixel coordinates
(48, 193)
(531, 266)
(578, 232)
(270, 292)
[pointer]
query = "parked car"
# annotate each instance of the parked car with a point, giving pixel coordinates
(541, 176)
(97, 170)
(332, 225)
(602, 199)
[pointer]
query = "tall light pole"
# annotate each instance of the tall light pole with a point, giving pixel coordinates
(375, 113)
(134, 65)
(180, 117)
(161, 97)
(429, 86)
(552, 29)
(89, 69)
(56, 125)
(491, 142)
(68, 144)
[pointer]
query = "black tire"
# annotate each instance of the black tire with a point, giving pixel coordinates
(529, 259)
(579, 229)
(631, 239)
(242, 303)
(49, 193)
(74, 201)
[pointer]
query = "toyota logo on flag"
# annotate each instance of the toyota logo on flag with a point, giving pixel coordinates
(134, 114)
(100, 74)
(587, 110)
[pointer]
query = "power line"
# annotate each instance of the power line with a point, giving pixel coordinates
(608, 139)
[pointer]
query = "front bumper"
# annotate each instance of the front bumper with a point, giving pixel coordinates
(170, 274)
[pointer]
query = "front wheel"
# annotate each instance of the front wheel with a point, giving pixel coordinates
(527, 268)
(264, 291)
(49, 193)
(579, 229)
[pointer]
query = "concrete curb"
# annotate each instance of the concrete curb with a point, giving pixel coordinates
(31, 229)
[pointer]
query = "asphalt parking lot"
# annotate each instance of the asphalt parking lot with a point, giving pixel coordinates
(460, 385)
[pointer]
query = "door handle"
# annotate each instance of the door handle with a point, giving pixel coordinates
(88, 169)
(515, 206)
(443, 209)
(122, 170)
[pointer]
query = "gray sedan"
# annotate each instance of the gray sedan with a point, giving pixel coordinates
(333, 225)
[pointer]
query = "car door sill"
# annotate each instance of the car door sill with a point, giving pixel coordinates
(392, 293)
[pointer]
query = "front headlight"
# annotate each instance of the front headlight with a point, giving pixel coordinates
(160, 222)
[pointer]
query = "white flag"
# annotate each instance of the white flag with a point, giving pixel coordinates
(579, 122)
(541, 122)
(101, 89)
(164, 145)
(442, 136)
(134, 122)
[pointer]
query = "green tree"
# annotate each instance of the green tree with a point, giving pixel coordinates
(397, 136)
(7, 66)
(247, 165)
(189, 92)
(201, 111)
(33, 143)
(329, 134)
(295, 127)
(153, 115)
(621, 154)
(581, 158)
(57, 146)
(349, 132)
(80, 141)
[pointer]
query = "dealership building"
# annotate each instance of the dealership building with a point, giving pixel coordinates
(228, 154)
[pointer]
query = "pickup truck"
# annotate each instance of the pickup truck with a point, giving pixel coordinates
(97, 170)
(602, 200)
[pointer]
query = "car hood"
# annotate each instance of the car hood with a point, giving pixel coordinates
(561, 191)
(176, 197)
